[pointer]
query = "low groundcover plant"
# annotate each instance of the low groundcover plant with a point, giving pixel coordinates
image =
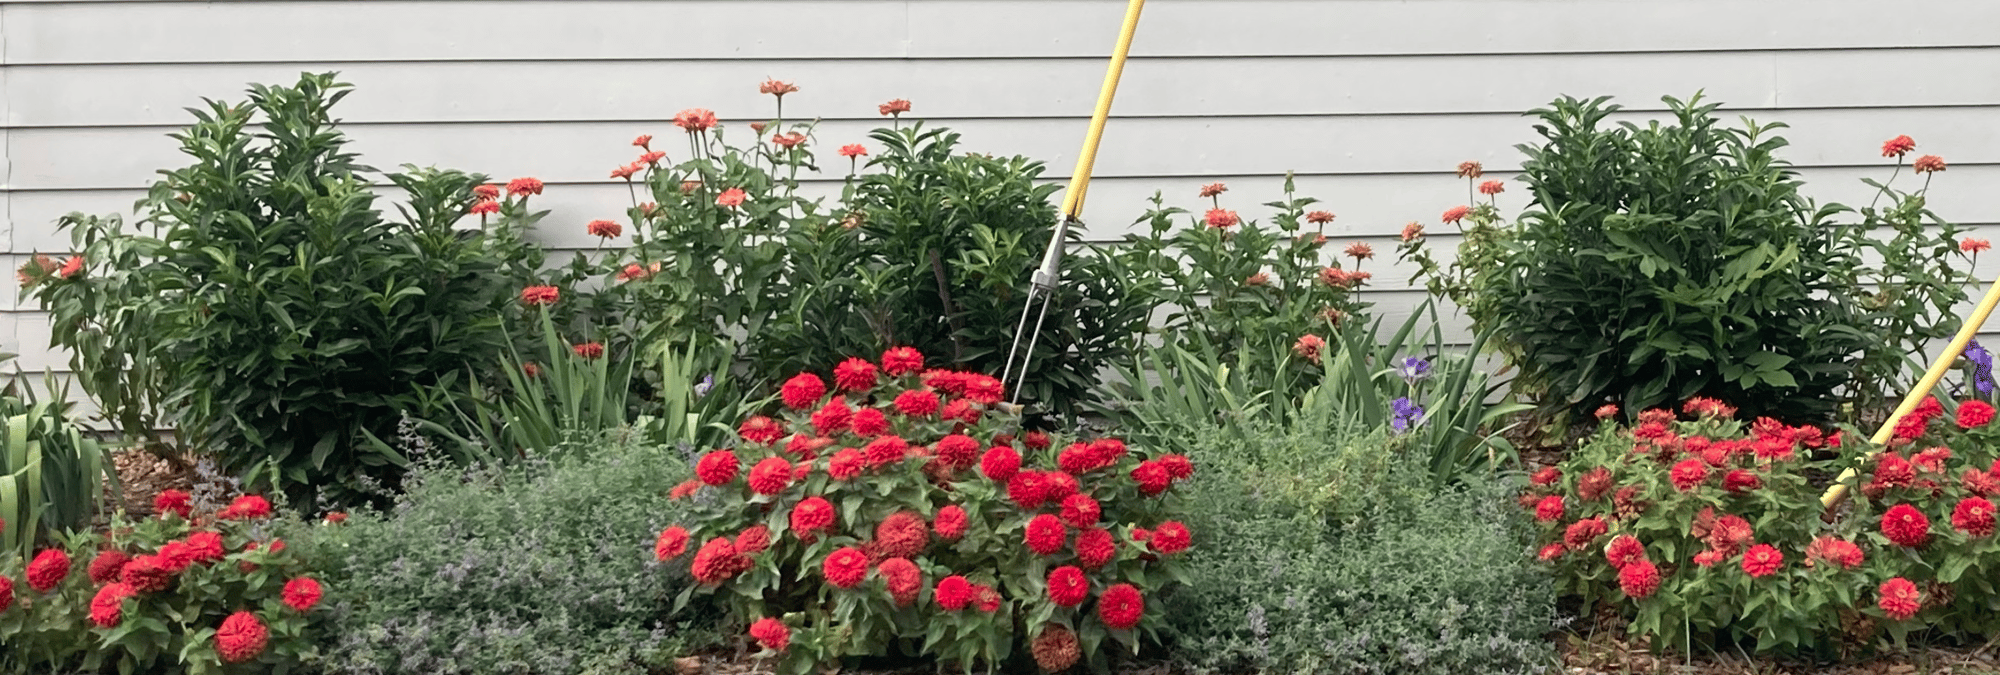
(903, 510)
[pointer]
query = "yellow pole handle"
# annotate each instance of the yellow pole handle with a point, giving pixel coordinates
(1079, 180)
(1944, 361)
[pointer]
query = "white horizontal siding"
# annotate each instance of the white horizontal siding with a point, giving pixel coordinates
(1370, 102)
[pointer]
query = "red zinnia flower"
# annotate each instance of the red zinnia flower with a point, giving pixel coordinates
(903, 580)
(950, 522)
(983, 389)
(1900, 599)
(1607, 411)
(685, 488)
(833, 417)
(1319, 217)
(1974, 414)
(1213, 189)
(49, 568)
(148, 573)
(771, 476)
(1549, 509)
(1121, 607)
(869, 423)
(1221, 218)
(1582, 532)
(900, 361)
(1906, 526)
(302, 594)
(695, 119)
(107, 565)
(776, 88)
(886, 450)
(1046, 534)
(524, 186)
(1309, 346)
(1258, 279)
(854, 375)
(761, 430)
(957, 450)
(771, 634)
(70, 267)
(802, 391)
(1973, 245)
(1095, 547)
(1928, 164)
(1456, 213)
(486, 191)
(173, 501)
(540, 295)
(1762, 560)
(1835, 550)
(1546, 476)
(845, 567)
(241, 637)
(988, 599)
(1688, 474)
(1741, 480)
(1027, 490)
(1594, 484)
(953, 593)
(1177, 466)
(1080, 511)
(1639, 579)
(731, 197)
(1551, 552)
(717, 561)
(1973, 516)
(853, 150)
(790, 140)
(204, 547)
(1058, 486)
(1932, 459)
(1360, 251)
(1492, 187)
(1624, 550)
(717, 468)
(1730, 534)
(108, 607)
(589, 350)
(1152, 477)
(751, 541)
(1000, 463)
(672, 543)
(811, 516)
(917, 403)
(643, 141)
(6, 593)
(894, 107)
(1708, 558)
(1898, 146)
(604, 228)
(1171, 537)
(903, 534)
(846, 464)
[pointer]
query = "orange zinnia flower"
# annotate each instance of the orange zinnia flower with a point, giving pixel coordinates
(1470, 170)
(776, 88)
(1898, 146)
(1213, 189)
(1929, 164)
(695, 119)
(895, 107)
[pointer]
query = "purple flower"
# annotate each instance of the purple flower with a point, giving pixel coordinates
(1406, 414)
(707, 383)
(1413, 369)
(1982, 367)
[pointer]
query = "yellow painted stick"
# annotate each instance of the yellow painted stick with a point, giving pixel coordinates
(1944, 361)
(1079, 180)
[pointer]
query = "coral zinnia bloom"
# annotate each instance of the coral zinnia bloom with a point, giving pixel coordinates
(672, 543)
(589, 350)
(685, 489)
(853, 150)
(1549, 509)
(869, 423)
(695, 119)
(771, 634)
(1068, 587)
(1551, 552)
(1594, 484)
(643, 141)
(1258, 279)
(771, 476)
(1221, 218)
(1906, 526)
(486, 191)
(107, 609)
(1973, 414)
(540, 295)
(1000, 464)
(1607, 411)
(1688, 474)
(1360, 251)
(204, 547)
(1213, 189)
(1492, 187)
(1973, 245)
(900, 361)
(1835, 550)
(1319, 217)
(717, 561)
(802, 391)
(730, 197)
(894, 107)
(604, 228)
(241, 637)
(1928, 164)
(1898, 146)
(1762, 560)
(846, 567)
(148, 573)
(950, 522)
(953, 593)
(1639, 579)
(776, 88)
(1580, 533)
(717, 468)
(1973, 516)
(70, 267)
(1121, 606)
(524, 186)
(1308, 347)
(1546, 476)
(1470, 170)
(652, 157)
(484, 207)
(790, 140)
(1045, 534)
(302, 594)
(1456, 213)
(761, 430)
(1900, 599)
(903, 580)
(1623, 550)
(246, 507)
(1414, 230)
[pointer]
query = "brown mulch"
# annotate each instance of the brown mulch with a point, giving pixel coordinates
(143, 474)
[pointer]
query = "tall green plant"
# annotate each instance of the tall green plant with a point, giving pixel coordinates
(52, 476)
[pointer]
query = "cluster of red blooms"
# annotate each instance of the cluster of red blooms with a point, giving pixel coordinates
(120, 576)
(857, 426)
(42, 267)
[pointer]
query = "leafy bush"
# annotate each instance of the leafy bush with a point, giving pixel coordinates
(288, 324)
(1661, 262)
(1332, 552)
(925, 533)
(52, 476)
(208, 591)
(498, 571)
(1706, 533)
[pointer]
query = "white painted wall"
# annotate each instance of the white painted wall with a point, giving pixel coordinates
(1371, 102)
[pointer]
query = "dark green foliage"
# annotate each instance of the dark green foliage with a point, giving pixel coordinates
(542, 568)
(1665, 261)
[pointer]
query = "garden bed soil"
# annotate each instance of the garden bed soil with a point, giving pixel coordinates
(143, 475)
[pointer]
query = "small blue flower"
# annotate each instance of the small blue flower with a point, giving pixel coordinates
(707, 383)
(1413, 369)
(1406, 414)
(1982, 367)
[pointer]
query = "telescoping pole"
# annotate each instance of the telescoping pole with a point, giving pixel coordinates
(1043, 283)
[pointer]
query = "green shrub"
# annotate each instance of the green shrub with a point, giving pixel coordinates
(287, 321)
(539, 568)
(1330, 552)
